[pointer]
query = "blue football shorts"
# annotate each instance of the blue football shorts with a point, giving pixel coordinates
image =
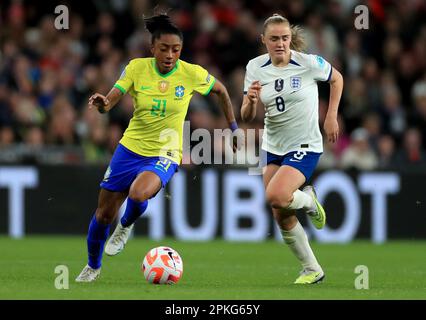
(125, 166)
(304, 161)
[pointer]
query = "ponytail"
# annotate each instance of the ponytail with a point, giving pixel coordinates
(297, 39)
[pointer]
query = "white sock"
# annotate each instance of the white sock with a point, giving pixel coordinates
(301, 200)
(298, 242)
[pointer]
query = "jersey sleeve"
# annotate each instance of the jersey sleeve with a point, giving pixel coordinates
(320, 68)
(203, 81)
(249, 77)
(125, 82)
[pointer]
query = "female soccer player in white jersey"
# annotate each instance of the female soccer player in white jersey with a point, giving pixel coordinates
(285, 80)
(150, 151)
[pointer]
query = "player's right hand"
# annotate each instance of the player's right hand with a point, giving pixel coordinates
(253, 92)
(98, 101)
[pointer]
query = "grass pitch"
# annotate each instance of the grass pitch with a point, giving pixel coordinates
(213, 270)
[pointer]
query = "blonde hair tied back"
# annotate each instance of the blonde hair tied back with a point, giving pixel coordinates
(297, 39)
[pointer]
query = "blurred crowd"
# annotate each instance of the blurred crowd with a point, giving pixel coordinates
(47, 75)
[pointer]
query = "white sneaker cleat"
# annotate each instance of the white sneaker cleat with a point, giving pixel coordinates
(118, 239)
(88, 274)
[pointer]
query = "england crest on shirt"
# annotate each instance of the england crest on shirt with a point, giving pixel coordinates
(295, 83)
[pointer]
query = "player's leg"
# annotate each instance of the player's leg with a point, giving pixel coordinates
(145, 186)
(134, 209)
(281, 184)
(153, 175)
(304, 163)
(108, 205)
(118, 177)
(295, 237)
(290, 200)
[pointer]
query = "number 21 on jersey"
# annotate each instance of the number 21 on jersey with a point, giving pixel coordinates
(163, 164)
(159, 108)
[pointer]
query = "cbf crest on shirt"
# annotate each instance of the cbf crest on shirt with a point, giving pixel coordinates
(160, 105)
(290, 96)
(179, 92)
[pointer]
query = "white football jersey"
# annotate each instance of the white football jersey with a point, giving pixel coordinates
(290, 96)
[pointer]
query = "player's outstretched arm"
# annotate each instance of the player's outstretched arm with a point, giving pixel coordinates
(105, 103)
(226, 105)
(331, 126)
(224, 101)
(248, 108)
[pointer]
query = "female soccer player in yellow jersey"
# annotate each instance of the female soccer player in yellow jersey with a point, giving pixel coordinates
(151, 148)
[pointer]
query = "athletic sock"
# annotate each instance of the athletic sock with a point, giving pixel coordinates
(96, 237)
(301, 200)
(133, 211)
(298, 242)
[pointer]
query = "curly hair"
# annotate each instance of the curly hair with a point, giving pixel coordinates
(161, 24)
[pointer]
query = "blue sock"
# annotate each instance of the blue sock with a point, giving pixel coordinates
(133, 211)
(98, 234)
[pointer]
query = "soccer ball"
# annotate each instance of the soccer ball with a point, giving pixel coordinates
(162, 265)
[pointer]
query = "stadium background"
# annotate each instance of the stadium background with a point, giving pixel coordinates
(54, 151)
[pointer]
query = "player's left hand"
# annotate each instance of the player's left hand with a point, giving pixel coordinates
(238, 139)
(331, 128)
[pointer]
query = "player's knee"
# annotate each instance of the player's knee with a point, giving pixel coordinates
(286, 220)
(278, 200)
(104, 216)
(139, 195)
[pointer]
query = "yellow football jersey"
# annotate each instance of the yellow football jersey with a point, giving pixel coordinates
(161, 102)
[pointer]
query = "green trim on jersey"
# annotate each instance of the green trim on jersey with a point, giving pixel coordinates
(210, 88)
(120, 88)
(168, 73)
